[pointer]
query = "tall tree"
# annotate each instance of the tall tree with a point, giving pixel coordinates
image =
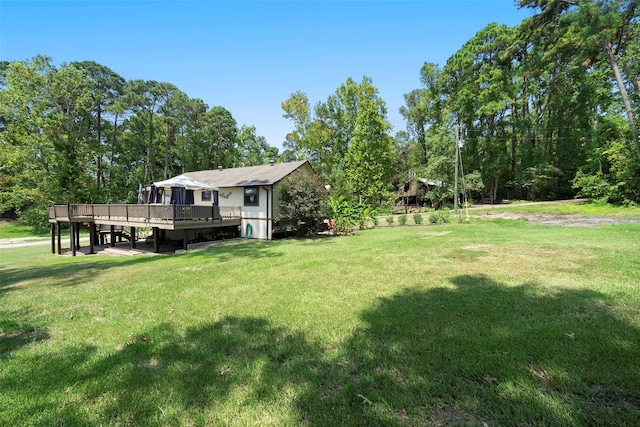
(107, 88)
(221, 133)
(347, 138)
(69, 129)
(26, 186)
(369, 159)
(600, 27)
(173, 105)
(424, 107)
(254, 149)
(146, 98)
(296, 108)
(478, 79)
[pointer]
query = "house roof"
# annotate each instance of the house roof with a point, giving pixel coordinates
(247, 176)
(410, 187)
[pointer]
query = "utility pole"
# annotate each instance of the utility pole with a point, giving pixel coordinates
(455, 181)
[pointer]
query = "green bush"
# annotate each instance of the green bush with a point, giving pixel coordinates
(445, 214)
(349, 215)
(302, 203)
(390, 219)
(417, 218)
(402, 219)
(439, 217)
(592, 186)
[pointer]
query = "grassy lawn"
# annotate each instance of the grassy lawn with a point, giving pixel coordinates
(16, 230)
(497, 322)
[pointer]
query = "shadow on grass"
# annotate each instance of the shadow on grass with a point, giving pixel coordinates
(480, 352)
(476, 352)
(164, 376)
(16, 331)
(73, 271)
(233, 249)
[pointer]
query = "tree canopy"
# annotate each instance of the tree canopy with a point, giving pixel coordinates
(546, 109)
(81, 133)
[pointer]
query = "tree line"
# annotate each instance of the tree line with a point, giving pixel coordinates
(82, 133)
(546, 109)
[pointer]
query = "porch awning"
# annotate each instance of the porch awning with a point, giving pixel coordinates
(185, 182)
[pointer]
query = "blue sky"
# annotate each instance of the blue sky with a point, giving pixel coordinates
(250, 56)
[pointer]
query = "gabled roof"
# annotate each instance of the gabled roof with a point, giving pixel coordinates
(247, 176)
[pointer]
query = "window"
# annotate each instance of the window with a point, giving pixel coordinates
(251, 196)
(206, 196)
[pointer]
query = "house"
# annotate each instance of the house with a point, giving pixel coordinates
(413, 192)
(254, 189)
(188, 208)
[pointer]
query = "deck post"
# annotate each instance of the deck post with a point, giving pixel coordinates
(72, 234)
(77, 235)
(59, 238)
(53, 237)
(92, 237)
(112, 239)
(156, 240)
(133, 237)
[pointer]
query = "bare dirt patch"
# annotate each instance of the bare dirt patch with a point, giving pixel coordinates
(435, 233)
(566, 220)
(480, 247)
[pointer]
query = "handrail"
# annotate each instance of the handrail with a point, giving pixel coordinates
(143, 213)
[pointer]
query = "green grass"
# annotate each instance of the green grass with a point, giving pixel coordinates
(14, 230)
(496, 322)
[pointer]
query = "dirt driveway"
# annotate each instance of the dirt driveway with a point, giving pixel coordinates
(567, 220)
(545, 218)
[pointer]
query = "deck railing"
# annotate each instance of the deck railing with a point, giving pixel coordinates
(142, 213)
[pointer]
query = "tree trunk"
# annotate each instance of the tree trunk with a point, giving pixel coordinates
(634, 81)
(514, 141)
(148, 175)
(99, 157)
(423, 143)
(113, 145)
(166, 151)
(623, 90)
(494, 189)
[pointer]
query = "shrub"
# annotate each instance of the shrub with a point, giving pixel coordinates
(302, 203)
(362, 215)
(439, 217)
(348, 215)
(402, 219)
(390, 220)
(417, 218)
(592, 186)
(445, 214)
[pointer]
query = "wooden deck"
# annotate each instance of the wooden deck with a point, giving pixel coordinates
(159, 217)
(167, 217)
